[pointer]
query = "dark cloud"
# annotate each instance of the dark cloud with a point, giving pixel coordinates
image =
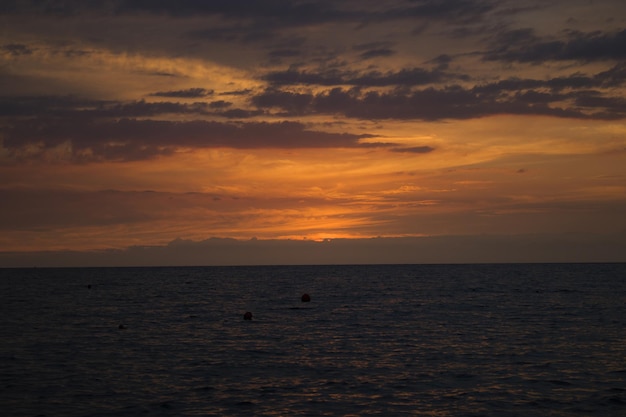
(284, 53)
(523, 45)
(84, 109)
(577, 96)
(49, 7)
(241, 20)
(161, 74)
(414, 149)
(296, 12)
(188, 93)
(537, 97)
(130, 139)
(240, 113)
(45, 105)
(372, 45)
(377, 53)
(145, 109)
(292, 102)
(452, 102)
(220, 104)
(593, 99)
(291, 76)
(142, 108)
(404, 77)
(267, 13)
(451, 10)
(277, 55)
(518, 8)
(236, 93)
(74, 53)
(613, 77)
(484, 248)
(240, 33)
(22, 209)
(374, 50)
(611, 108)
(16, 49)
(246, 21)
(505, 39)
(442, 61)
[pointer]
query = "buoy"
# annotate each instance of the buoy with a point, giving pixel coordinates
(247, 316)
(305, 298)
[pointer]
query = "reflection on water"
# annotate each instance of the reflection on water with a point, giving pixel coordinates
(432, 340)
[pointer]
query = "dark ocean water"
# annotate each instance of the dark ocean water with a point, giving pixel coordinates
(431, 340)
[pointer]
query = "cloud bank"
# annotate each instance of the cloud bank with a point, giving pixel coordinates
(421, 250)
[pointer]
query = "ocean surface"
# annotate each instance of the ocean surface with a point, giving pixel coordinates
(425, 340)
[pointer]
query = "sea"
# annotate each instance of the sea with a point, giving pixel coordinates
(386, 340)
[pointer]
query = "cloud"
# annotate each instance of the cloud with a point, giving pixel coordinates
(574, 96)
(613, 77)
(281, 10)
(220, 104)
(265, 14)
(239, 33)
(291, 102)
(188, 93)
(612, 108)
(23, 211)
(243, 92)
(240, 113)
(68, 107)
(453, 102)
(377, 53)
(442, 61)
(284, 53)
(404, 77)
(372, 45)
(80, 108)
(414, 149)
(454, 10)
(399, 250)
(133, 139)
(16, 49)
(522, 45)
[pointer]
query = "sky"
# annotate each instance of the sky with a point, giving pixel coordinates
(316, 131)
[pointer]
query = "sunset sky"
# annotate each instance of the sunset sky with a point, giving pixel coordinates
(153, 124)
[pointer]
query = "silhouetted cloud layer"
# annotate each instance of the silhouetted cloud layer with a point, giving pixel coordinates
(350, 80)
(188, 93)
(522, 45)
(421, 250)
(131, 139)
(451, 102)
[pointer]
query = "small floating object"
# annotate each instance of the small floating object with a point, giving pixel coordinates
(305, 298)
(121, 327)
(89, 286)
(247, 316)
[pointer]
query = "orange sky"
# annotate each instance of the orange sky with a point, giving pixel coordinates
(126, 124)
